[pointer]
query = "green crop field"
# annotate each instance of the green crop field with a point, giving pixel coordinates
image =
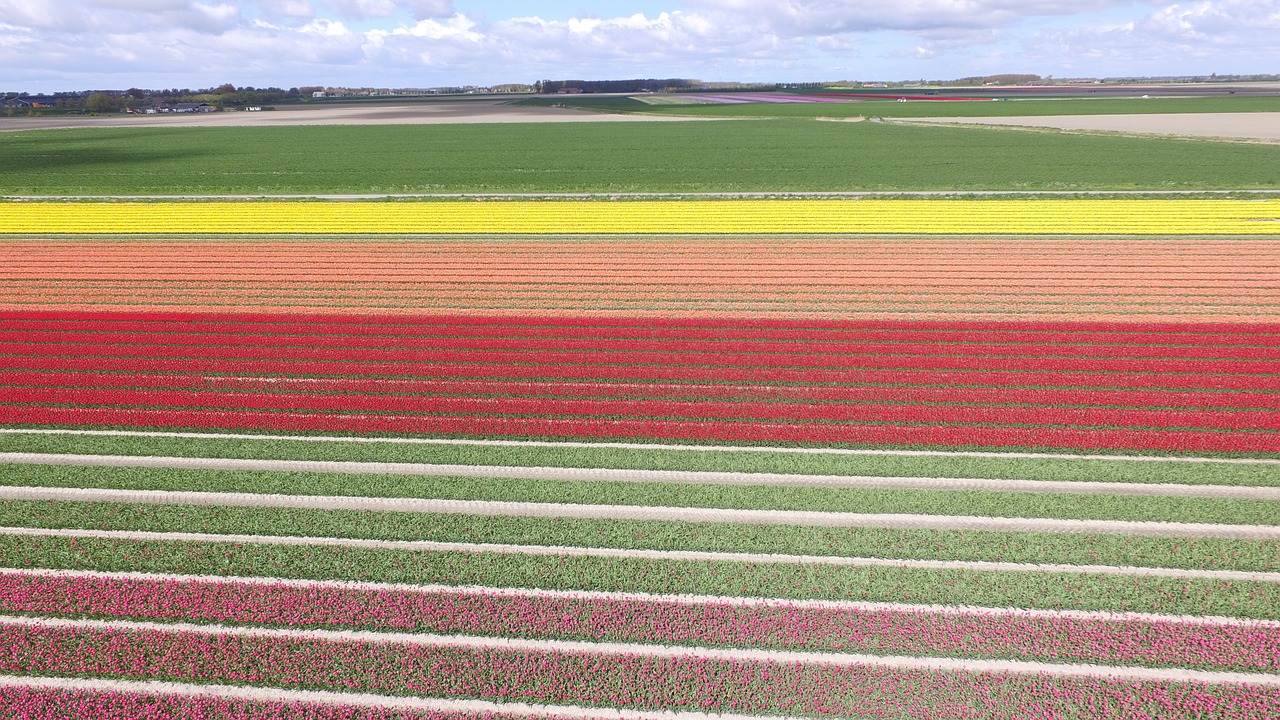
(764, 155)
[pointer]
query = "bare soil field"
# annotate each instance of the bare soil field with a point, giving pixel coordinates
(1236, 126)
(474, 111)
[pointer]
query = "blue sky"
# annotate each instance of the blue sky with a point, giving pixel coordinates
(49, 45)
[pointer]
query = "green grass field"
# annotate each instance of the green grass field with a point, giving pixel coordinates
(762, 155)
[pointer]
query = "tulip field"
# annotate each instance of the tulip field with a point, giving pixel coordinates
(721, 216)
(678, 459)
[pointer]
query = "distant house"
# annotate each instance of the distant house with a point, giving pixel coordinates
(28, 102)
(188, 107)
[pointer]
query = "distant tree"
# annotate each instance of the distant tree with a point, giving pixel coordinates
(100, 102)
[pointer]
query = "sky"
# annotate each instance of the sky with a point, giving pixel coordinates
(69, 45)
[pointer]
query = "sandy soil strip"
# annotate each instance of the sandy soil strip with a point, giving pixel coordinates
(669, 555)
(637, 446)
(648, 476)
(419, 113)
(354, 699)
(667, 651)
(1237, 126)
(493, 508)
(846, 605)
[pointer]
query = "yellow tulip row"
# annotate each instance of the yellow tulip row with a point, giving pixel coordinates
(732, 217)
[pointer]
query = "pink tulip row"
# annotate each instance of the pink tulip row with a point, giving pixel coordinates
(677, 409)
(39, 703)
(686, 682)
(1253, 648)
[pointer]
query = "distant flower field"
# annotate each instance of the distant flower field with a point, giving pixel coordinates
(694, 460)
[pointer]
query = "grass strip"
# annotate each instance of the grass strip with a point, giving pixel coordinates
(1172, 596)
(980, 503)
(1048, 548)
(1065, 468)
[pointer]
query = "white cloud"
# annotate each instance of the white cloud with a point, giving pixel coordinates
(67, 44)
(423, 9)
(835, 17)
(1234, 35)
(416, 9)
(285, 9)
(119, 16)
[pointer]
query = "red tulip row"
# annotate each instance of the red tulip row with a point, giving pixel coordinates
(405, 327)
(717, 346)
(708, 430)
(623, 389)
(970, 393)
(963, 378)
(535, 354)
(667, 409)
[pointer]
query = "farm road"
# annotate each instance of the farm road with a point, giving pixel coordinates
(648, 476)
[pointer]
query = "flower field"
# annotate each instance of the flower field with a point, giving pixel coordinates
(543, 377)
(690, 461)
(1088, 279)
(717, 217)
